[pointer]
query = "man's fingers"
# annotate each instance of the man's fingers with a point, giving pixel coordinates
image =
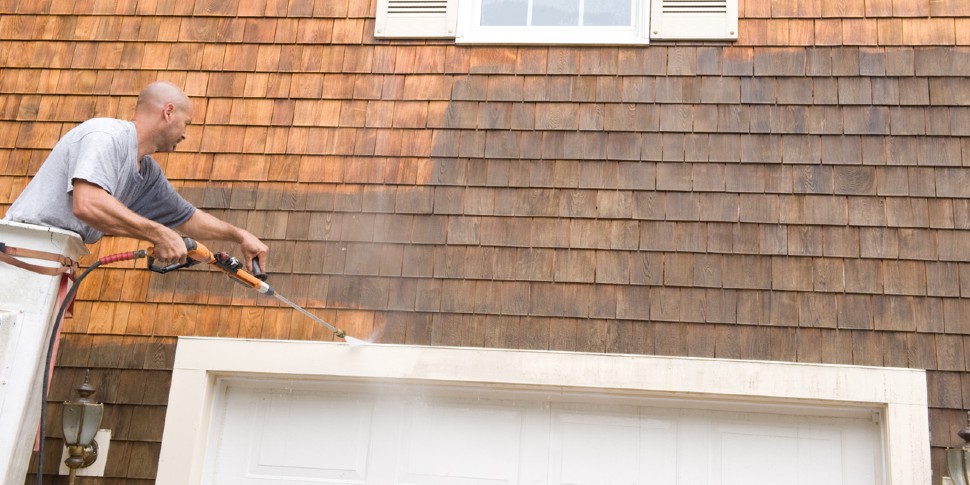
(171, 252)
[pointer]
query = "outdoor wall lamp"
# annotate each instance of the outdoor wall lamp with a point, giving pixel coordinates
(81, 421)
(958, 459)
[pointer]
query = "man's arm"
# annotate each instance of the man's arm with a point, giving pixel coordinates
(100, 210)
(206, 226)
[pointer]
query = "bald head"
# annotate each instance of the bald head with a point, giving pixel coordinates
(160, 93)
(162, 114)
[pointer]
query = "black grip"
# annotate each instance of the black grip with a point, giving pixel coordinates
(257, 271)
(171, 267)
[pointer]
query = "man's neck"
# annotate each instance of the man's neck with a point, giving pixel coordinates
(145, 145)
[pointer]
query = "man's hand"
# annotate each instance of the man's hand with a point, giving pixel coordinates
(253, 249)
(169, 248)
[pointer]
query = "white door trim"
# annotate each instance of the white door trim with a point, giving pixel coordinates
(899, 395)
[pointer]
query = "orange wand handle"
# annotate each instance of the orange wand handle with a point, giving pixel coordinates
(229, 265)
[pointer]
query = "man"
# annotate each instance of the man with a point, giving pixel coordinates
(99, 179)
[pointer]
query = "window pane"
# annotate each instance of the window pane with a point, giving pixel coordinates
(555, 12)
(504, 12)
(607, 12)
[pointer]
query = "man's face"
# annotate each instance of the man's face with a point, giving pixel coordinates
(177, 120)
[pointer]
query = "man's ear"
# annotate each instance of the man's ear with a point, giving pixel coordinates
(169, 110)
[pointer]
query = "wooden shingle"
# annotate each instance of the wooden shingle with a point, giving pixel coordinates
(828, 32)
(791, 274)
(754, 343)
(504, 88)
(818, 179)
(943, 389)
(868, 121)
(904, 277)
(842, 150)
(678, 271)
(872, 61)
(746, 272)
(801, 32)
(885, 91)
(575, 266)
(598, 61)
(922, 31)
(632, 61)
(817, 310)
(638, 90)
(866, 348)
(878, 242)
(804, 241)
(727, 344)
(633, 303)
(603, 89)
(950, 352)
(720, 237)
(828, 274)
(740, 239)
(776, 32)
(861, 32)
(556, 116)
(855, 312)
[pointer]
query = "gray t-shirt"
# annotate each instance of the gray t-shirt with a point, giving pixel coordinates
(102, 151)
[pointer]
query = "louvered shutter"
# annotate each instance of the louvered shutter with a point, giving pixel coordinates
(694, 19)
(416, 18)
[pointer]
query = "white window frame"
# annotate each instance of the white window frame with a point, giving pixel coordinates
(898, 396)
(469, 32)
(705, 20)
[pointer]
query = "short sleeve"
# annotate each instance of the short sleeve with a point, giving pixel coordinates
(94, 158)
(158, 200)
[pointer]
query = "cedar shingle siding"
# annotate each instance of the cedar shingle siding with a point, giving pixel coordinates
(798, 195)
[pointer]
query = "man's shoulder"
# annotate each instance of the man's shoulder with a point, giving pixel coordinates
(108, 126)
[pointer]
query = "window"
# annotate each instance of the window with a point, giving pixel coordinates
(558, 21)
(552, 22)
(557, 13)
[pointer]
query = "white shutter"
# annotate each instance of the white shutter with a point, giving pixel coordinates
(694, 19)
(416, 18)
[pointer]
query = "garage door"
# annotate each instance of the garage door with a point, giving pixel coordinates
(274, 432)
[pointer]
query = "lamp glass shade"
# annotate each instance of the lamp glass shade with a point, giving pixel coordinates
(81, 422)
(957, 464)
(71, 422)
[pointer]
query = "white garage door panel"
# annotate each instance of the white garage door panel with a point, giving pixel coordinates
(333, 440)
(832, 451)
(286, 436)
(772, 450)
(346, 433)
(473, 445)
(626, 447)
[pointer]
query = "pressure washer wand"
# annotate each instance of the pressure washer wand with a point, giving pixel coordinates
(234, 269)
(336, 331)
